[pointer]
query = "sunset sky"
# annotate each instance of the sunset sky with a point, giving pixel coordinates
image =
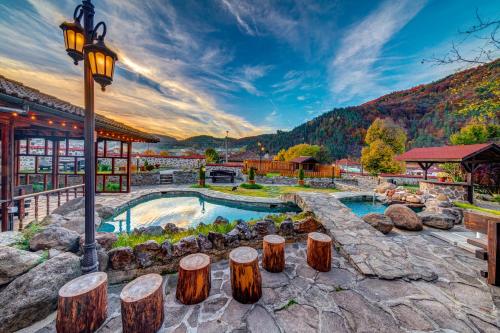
(203, 67)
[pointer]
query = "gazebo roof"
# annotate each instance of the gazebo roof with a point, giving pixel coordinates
(52, 105)
(484, 152)
(304, 159)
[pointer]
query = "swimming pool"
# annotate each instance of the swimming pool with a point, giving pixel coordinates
(365, 205)
(187, 211)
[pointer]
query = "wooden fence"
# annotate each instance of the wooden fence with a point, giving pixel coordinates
(288, 169)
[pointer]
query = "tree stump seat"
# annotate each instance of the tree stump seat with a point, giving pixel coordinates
(142, 304)
(246, 282)
(319, 251)
(193, 283)
(83, 303)
(273, 253)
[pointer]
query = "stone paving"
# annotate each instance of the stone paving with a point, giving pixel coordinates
(342, 300)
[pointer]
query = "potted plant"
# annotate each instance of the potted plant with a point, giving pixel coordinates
(251, 176)
(201, 180)
(301, 176)
(442, 176)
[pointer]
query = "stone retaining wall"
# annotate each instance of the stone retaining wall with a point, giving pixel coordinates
(171, 162)
(454, 191)
(143, 179)
(280, 180)
(185, 177)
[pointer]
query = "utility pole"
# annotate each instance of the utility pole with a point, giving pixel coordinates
(227, 134)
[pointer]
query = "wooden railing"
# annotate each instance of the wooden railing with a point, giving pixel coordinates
(67, 192)
(288, 169)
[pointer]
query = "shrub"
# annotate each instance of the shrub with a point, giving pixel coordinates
(301, 174)
(201, 173)
(251, 174)
(27, 234)
(251, 186)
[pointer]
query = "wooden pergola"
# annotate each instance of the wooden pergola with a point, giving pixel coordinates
(47, 133)
(469, 156)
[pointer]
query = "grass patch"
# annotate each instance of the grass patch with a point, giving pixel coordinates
(251, 186)
(288, 304)
(132, 240)
(270, 191)
(272, 174)
(411, 188)
(27, 234)
(465, 205)
(198, 186)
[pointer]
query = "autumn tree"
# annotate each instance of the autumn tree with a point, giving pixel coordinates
(318, 152)
(475, 133)
(384, 140)
(211, 155)
(164, 153)
(280, 156)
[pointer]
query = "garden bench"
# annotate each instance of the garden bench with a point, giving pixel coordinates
(222, 174)
(488, 249)
(193, 284)
(142, 304)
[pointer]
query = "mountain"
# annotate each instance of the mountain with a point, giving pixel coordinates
(427, 112)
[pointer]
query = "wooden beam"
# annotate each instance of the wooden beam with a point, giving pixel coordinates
(494, 253)
(7, 170)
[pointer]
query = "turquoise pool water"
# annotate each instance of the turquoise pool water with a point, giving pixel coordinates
(361, 208)
(184, 211)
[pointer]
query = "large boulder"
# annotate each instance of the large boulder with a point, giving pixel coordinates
(204, 243)
(54, 237)
(166, 252)
(218, 240)
(145, 253)
(187, 245)
(171, 228)
(244, 231)
(104, 212)
(307, 225)
(122, 258)
(263, 228)
(404, 218)
(14, 262)
(104, 239)
(219, 220)
(413, 199)
(437, 220)
(231, 239)
(380, 222)
(10, 238)
(150, 230)
(70, 207)
(33, 296)
(73, 221)
(286, 227)
(384, 187)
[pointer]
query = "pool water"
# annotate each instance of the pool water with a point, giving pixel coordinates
(185, 212)
(361, 208)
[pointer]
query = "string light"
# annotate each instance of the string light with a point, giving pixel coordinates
(14, 114)
(50, 122)
(33, 117)
(63, 124)
(75, 127)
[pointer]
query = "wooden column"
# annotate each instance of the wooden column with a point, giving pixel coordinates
(273, 253)
(129, 166)
(142, 304)
(83, 304)
(319, 251)
(193, 284)
(494, 253)
(55, 164)
(7, 172)
(425, 166)
(246, 281)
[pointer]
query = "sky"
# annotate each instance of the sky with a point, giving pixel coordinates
(250, 67)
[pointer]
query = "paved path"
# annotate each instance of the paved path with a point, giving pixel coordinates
(304, 300)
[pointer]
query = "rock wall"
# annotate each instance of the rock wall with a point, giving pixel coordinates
(454, 191)
(401, 180)
(171, 162)
(143, 179)
(281, 180)
(185, 177)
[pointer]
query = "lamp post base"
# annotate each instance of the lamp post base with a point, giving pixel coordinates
(89, 261)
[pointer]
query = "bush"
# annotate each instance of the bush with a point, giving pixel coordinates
(251, 174)
(301, 174)
(251, 186)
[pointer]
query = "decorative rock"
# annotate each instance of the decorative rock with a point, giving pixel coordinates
(103, 260)
(14, 262)
(166, 251)
(231, 239)
(286, 227)
(146, 252)
(219, 220)
(53, 253)
(456, 213)
(187, 245)
(437, 220)
(39, 288)
(380, 222)
(122, 258)
(217, 239)
(383, 187)
(9, 238)
(404, 218)
(244, 231)
(442, 197)
(413, 199)
(204, 243)
(104, 212)
(152, 230)
(307, 225)
(171, 228)
(104, 239)
(263, 228)
(55, 237)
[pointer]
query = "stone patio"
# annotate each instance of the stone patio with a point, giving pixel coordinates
(304, 300)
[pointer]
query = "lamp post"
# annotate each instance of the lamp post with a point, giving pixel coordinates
(262, 150)
(227, 134)
(99, 65)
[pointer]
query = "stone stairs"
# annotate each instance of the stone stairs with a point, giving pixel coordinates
(166, 179)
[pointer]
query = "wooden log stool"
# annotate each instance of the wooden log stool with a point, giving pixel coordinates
(319, 251)
(142, 304)
(193, 284)
(83, 303)
(246, 281)
(273, 253)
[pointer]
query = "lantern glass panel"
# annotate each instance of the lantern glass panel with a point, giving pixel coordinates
(66, 38)
(71, 39)
(79, 42)
(92, 62)
(109, 66)
(100, 63)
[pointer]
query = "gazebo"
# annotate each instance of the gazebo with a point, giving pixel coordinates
(42, 144)
(469, 156)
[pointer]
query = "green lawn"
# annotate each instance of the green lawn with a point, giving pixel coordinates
(269, 191)
(465, 205)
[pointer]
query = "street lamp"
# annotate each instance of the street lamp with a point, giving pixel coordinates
(262, 151)
(99, 65)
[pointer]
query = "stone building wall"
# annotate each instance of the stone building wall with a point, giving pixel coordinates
(454, 191)
(185, 177)
(143, 179)
(171, 162)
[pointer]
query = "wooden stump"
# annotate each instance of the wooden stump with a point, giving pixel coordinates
(319, 251)
(142, 304)
(83, 304)
(273, 253)
(193, 284)
(246, 281)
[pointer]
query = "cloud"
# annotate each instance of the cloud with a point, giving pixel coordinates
(352, 70)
